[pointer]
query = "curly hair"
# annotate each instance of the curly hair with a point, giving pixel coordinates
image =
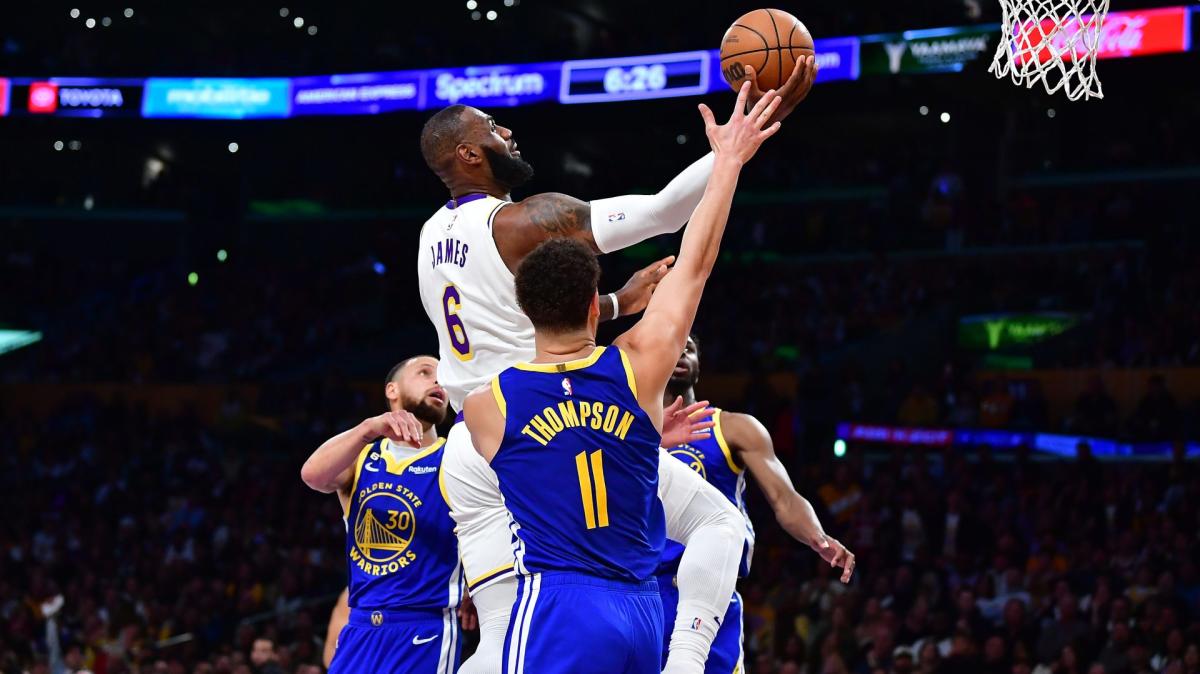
(556, 284)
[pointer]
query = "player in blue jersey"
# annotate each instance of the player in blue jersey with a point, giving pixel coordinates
(405, 579)
(738, 444)
(573, 438)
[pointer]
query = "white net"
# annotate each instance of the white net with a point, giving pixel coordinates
(1053, 42)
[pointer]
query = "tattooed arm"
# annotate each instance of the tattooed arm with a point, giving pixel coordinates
(518, 228)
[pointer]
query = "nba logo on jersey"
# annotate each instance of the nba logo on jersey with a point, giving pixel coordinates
(616, 217)
(566, 384)
(696, 624)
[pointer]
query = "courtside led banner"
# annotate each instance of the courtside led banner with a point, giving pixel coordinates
(363, 94)
(939, 50)
(1123, 34)
(503, 86)
(991, 332)
(216, 98)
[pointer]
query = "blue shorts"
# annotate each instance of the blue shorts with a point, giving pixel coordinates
(398, 642)
(725, 657)
(572, 623)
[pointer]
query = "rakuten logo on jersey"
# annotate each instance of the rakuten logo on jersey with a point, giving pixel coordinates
(43, 98)
(492, 85)
(1121, 35)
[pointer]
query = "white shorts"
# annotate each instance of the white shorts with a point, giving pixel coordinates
(485, 541)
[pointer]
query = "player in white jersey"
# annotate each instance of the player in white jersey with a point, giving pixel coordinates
(467, 255)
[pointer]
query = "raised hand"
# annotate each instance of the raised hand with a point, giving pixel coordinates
(399, 426)
(635, 295)
(682, 425)
(741, 136)
(793, 91)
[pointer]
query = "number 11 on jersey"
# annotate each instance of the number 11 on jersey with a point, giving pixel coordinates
(451, 305)
(595, 504)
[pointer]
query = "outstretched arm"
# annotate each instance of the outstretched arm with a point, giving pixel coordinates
(654, 344)
(752, 445)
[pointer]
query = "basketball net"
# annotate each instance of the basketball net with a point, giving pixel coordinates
(1053, 42)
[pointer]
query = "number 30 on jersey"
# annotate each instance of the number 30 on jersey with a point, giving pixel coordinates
(451, 305)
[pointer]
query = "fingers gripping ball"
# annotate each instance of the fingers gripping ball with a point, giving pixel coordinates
(768, 40)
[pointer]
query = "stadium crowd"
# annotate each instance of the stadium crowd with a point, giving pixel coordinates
(182, 546)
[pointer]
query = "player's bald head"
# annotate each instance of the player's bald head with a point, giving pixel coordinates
(443, 132)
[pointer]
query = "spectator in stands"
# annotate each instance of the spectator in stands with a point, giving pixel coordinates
(1157, 413)
(1095, 411)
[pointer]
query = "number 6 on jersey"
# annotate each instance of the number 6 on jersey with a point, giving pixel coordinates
(451, 305)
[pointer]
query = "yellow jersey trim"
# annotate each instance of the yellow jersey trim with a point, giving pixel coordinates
(442, 487)
(720, 436)
(490, 575)
(358, 463)
(397, 466)
(628, 372)
(498, 394)
(565, 366)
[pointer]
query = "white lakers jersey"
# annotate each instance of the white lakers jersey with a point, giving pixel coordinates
(470, 296)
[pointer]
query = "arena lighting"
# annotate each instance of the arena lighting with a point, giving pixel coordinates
(90, 23)
(11, 340)
(924, 110)
(106, 21)
(492, 15)
(75, 145)
(75, 13)
(945, 118)
(379, 268)
(471, 4)
(681, 139)
(1051, 113)
(89, 202)
(283, 12)
(298, 22)
(222, 255)
(233, 148)
(839, 448)
(312, 30)
(128, 12)
(193, 278)
(509, 3)
(475, 16)
(58, 146)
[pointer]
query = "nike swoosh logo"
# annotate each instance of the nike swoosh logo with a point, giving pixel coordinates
(417, 641)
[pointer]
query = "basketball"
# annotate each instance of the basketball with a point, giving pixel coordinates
(768, 40)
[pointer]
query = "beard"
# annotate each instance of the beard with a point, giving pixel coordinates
(677, 386)
(427, 413)
(508, 170)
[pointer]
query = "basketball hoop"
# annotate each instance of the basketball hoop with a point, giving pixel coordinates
(1053, 42)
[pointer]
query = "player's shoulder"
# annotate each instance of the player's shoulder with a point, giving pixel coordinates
(743, 431)
(554, 211)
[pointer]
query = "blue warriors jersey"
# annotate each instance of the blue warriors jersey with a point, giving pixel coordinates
(400, 543)
(578, 468)
(712, 458)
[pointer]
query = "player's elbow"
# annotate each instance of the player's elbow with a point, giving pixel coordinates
(314, 478)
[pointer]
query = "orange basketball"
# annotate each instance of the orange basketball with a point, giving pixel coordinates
(769, 40)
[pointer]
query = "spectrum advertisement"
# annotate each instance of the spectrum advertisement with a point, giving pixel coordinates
(493, 86)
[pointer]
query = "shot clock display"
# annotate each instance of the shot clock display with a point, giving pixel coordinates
(636, 77)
